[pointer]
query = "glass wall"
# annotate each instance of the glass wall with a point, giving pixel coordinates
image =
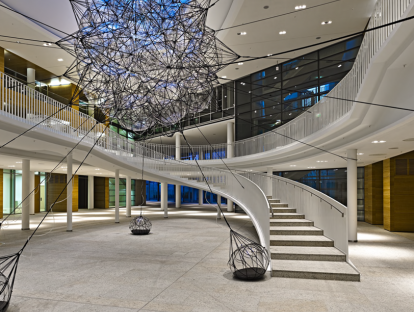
(332, 182)
(8, 191)
(122, 192)
(274, 96)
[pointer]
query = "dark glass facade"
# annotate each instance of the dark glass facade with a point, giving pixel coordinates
(274, 96)
(332, 182)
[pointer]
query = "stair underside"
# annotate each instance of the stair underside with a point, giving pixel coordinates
(327, 270)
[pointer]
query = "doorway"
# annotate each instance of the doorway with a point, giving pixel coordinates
(83, 192)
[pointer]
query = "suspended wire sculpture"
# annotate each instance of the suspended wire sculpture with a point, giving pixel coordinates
(248, 260)
(149, 63)
(140, 225)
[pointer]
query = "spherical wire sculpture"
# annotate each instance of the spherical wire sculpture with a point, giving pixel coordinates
(8, 267)
(248, 260)
(147, 63)
(140, 225)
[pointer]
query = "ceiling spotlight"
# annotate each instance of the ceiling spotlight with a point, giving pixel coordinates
(223, 77)
(340, 65)
(239, 63)
(376, 142)
(269, 54)
(283, 32)
(277, 67)
(300, 7)
(297, 68)
(243, 33)
(47, 44)
(326, 22)
(60, 60)
(360, 154)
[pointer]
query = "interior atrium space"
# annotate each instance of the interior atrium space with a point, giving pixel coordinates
(206, 155)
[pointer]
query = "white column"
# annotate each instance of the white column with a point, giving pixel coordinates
(25, 192)
(116, 195)
(352, 194)
(200, 197)
(230, 205)
(33, 191)
(219, 205)
(178, 146)
(128, 196)
(31, 77)
(164, 198)
(230, 139)
(69, 209)
(178, 196)
(178, 157)
(269, 181)
(91, 192)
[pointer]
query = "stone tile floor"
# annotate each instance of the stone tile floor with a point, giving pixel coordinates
(182, 266)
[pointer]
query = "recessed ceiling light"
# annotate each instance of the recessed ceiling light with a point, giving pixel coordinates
(360, 154)
(60, 60)
(376, 142)
(340, 65)
(297, 68)
(239, 63)
(275, 78)
(47, 44)
(326, 22)
(283, 32)
(97, 169)
(269, 54)
(311, 167)
(300, 7)
(223, 76)
(293, 165)
(321, 161)
(243, 33)
(11, 166)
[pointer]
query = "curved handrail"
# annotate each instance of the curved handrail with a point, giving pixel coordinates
(314, 192)
(331, 108)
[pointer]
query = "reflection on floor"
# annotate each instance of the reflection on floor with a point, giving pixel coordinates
(182, 266)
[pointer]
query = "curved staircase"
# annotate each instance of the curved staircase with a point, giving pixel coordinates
(300, 250)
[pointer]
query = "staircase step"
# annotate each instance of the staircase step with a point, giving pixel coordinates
(301, 240)
(278, 205)
(269, 196)
(274, 201)
(284, 210)
(291, 222)
(326, 270)
(307, 253)
(295, 230)
(288, 216)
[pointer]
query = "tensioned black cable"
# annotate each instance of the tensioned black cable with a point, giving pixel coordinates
(299, 141)
(29, 44)
(280, 15)
(48, 176)
(19, 38)
(221, 158)
(70, 180)
(35, 20)
(205, 179)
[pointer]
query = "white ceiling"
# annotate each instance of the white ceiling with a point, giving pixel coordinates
(262, 38)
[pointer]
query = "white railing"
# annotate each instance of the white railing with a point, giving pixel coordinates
(326, 213)
(24, 104)
(329, 109)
